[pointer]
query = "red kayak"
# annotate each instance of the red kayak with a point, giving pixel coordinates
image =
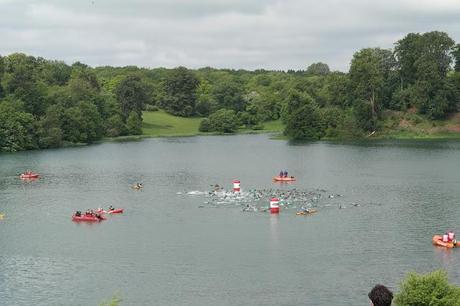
(87, 218)
(113, 211)
(29, 176)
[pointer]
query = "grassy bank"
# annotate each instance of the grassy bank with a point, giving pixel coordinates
(160, 123)
(394, 125)
(409, 125)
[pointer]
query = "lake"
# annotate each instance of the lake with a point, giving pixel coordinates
(175, 248)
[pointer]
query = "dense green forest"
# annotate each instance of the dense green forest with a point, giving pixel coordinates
(47, 103)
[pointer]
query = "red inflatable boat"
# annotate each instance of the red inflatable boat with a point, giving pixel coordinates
(437, 240)
(87, 218)
(29, 175)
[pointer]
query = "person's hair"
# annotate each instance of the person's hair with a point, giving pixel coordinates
(380, 296)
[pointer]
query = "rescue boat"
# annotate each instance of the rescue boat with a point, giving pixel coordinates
(87, 218)
(29, 175)
(284, 179)
(437, 240)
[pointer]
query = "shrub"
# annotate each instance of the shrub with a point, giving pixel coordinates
(223, 121)
(151, 108)
(432, 289)
(134, 124)
(257, 127)
(205, 125)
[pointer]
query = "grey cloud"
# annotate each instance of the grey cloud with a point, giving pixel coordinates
(270, 34)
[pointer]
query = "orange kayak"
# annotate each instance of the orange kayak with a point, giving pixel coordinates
(437, 240)
(284, 179)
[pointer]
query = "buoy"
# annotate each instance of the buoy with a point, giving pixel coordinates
(236, 186)
(274, 207)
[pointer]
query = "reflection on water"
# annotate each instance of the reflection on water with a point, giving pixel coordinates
(170, 248)
(274, 230)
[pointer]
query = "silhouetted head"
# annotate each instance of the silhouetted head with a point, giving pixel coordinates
(380, 296)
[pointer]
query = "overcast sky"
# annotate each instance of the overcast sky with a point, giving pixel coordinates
(248, 34)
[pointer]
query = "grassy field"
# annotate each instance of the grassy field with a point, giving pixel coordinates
(162, 124)
(157, 124)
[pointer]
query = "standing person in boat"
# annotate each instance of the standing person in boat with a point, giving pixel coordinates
(451, 236)
(285, 173)
(281, 173)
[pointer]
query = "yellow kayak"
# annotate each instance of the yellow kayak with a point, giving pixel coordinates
(306, 212)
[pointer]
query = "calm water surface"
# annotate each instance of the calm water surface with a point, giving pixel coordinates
(166, 250)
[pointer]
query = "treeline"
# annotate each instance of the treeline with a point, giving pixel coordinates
(47, 103)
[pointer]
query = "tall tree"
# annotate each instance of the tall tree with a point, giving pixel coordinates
(455, 54)
(180, 92)
(16, 128)
(2, 70)
(131, 95)
(302, 117)
(318, 69)
(424, 60)
(369, 70)
(229, 95)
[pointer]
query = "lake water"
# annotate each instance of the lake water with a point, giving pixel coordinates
(171, 248)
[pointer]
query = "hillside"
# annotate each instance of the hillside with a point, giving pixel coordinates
(410, 125)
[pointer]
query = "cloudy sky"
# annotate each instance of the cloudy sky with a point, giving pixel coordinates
(249, 34)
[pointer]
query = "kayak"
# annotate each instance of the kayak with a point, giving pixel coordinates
(284, 179)
(437, 240)
(304, 213)
(29, 176)
(86, 218)
(115, 211)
